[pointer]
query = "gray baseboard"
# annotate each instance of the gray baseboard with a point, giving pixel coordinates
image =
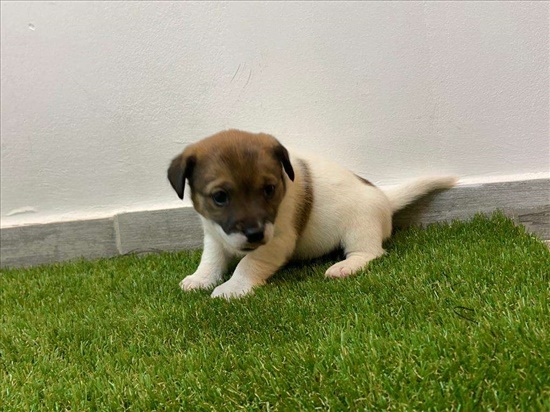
(527, 202)
(56, 242)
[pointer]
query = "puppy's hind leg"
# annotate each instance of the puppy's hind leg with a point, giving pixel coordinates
(361, 245)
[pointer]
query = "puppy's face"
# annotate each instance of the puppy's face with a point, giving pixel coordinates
(237, 183)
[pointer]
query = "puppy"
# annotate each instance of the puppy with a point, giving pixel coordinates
(260, 202)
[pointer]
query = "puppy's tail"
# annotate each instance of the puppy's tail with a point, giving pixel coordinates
(407, 193)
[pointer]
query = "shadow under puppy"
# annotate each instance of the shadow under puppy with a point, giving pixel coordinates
(258, 201)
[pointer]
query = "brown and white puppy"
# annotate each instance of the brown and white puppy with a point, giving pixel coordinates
(260, 202)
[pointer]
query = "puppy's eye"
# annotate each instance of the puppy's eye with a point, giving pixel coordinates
(220, 198)
(269, 190)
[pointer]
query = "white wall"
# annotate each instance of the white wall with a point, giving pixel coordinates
(98, 97)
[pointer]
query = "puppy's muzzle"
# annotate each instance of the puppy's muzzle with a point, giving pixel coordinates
(255, 237)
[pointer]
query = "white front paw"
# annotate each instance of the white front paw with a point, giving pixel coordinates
(233, 289)
(196, 281)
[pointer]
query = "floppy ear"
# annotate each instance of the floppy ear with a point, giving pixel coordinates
(282, 154)
(180, 169)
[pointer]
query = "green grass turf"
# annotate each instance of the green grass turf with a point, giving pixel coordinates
(453, 317)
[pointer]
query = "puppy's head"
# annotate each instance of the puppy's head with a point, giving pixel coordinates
(237, 182)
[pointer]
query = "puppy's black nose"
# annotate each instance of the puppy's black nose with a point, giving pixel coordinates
(254, 234)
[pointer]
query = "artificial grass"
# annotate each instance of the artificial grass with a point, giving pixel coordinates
(453, 317)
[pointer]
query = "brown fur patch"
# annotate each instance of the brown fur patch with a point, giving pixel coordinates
(306, 203)
(365, 181)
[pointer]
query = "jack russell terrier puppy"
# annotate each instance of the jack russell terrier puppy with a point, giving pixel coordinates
(260, 202)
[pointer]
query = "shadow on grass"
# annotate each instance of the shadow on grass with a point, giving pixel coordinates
(302, 270)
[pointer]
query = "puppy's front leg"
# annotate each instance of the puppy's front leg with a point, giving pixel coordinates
(213, 264)
(255, 268)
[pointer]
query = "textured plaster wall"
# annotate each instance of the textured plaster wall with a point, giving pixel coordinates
(98, 97)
